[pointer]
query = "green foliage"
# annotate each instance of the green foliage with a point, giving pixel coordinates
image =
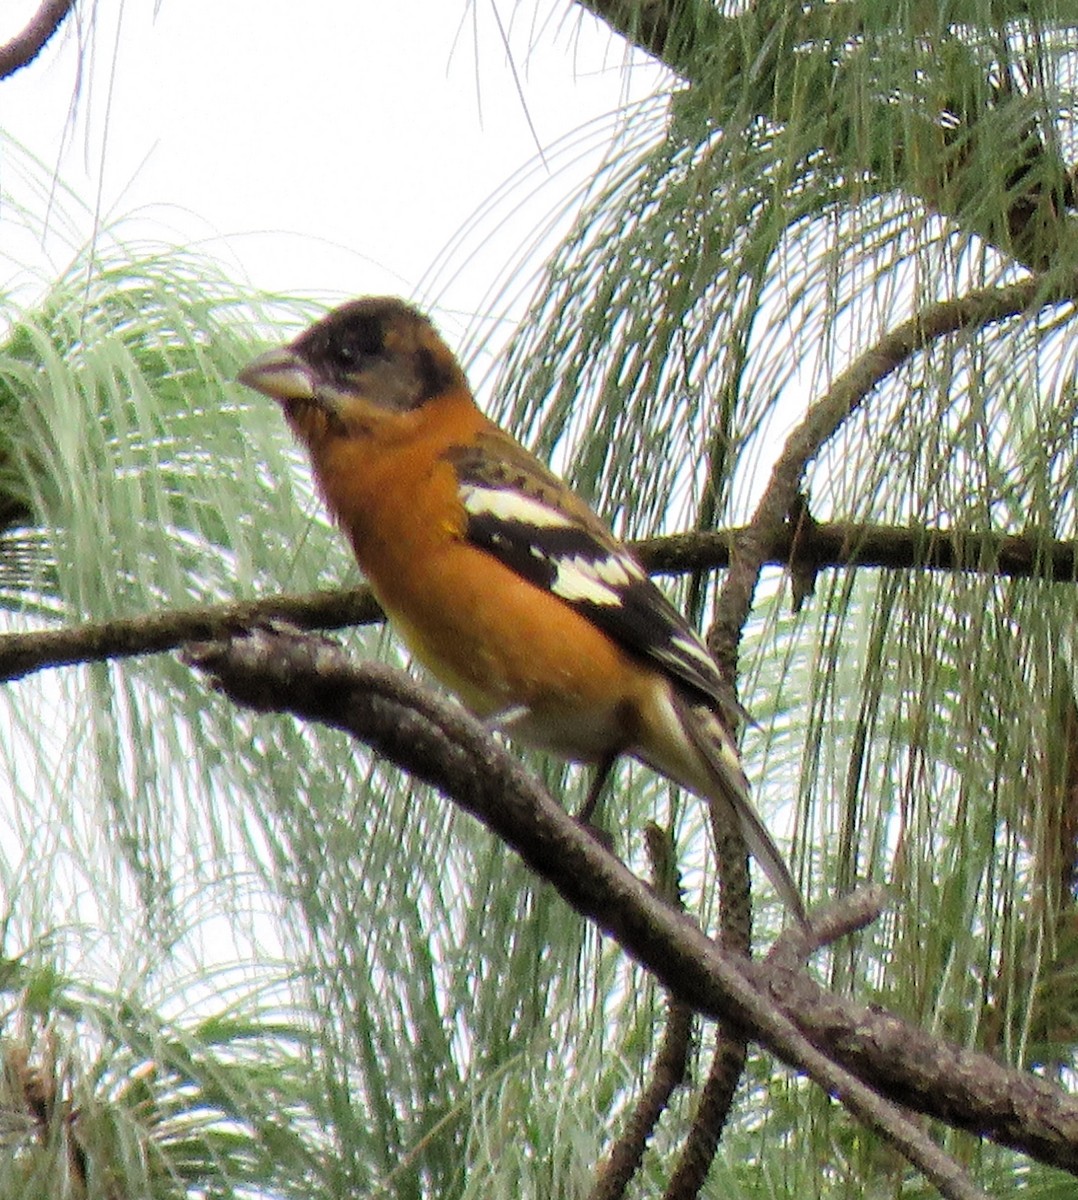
(450, 1028)
(104, 1096)
(914, 728)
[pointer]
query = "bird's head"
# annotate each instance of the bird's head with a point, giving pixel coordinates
(365, 361)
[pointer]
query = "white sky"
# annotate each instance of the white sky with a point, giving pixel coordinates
(334, 155)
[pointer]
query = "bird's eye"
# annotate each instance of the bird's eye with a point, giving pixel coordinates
(360, 338)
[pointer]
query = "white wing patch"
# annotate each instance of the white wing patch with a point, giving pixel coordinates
(594, 580)
(693, 648)
(581, 568)
(505, 504)
(580, 562)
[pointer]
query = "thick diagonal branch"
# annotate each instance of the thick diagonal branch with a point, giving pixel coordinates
(440, 743)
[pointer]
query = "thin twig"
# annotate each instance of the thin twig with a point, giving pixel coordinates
(826, 417)
(623, 1160)
(731, 1044)
(830, 922)
(712, 1112)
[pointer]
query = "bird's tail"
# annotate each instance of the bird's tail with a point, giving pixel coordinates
(728, 786)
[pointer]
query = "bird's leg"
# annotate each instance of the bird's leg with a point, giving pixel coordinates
(602, 773)
(503, 721)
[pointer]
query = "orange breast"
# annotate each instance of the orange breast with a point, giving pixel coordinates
(503, 645)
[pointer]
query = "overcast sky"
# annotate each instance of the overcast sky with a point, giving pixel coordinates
(336, 154)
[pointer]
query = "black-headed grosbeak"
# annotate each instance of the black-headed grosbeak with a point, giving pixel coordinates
(500, 579)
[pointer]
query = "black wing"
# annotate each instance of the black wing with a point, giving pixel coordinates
(520, 513)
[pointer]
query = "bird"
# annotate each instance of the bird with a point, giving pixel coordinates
(500, 580)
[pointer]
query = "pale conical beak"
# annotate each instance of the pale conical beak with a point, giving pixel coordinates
(280, 374)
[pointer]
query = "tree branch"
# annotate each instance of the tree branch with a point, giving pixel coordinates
(825, 418)
(27, 45)
(671, 31)
(150, 633)
(767, 43)
(443, 745)
(838, 545)
(623, 1160)
(858, 544)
